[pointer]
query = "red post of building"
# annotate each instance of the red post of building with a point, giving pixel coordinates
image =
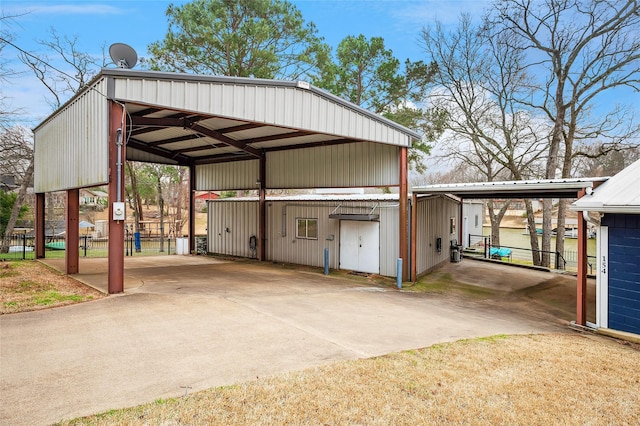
(404, 213)
(581, 293)
(262, 213)
(72, 246)
(117, 132)
(192, 207)
(39, 226)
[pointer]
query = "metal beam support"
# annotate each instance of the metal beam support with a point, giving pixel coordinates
(262, 212)
(192, 207)
(72, 249)
(225, 139)
(414, 236)
(115, 275)
(581, 293)
(404, 229)
(170, 155)
(39, 226)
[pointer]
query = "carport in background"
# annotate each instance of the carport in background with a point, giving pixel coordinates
(546, 188)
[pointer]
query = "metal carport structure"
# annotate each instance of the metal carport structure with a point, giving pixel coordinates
(232, 133)
(546, 188)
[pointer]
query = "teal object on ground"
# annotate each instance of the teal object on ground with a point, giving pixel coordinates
(502, 252)
(56, 245)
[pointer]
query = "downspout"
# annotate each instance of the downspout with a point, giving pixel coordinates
(119, 165)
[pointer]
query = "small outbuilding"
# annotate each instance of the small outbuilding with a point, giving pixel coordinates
(618, 264)
(360, 232)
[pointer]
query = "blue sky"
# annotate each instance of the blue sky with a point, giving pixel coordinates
(138, 23)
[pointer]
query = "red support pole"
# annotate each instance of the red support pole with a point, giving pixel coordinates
(39, 226)
(262, 213)
(72, 251)
(116, 228)
(404, 214)
(581, 293)
(192, 207)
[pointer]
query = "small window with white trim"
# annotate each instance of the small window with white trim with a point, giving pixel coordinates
(307, 229)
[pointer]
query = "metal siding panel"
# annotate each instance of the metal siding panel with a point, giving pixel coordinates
(288, 249)
(389, 240)
(349, 165)
(258, 102)
(433, 222)
(270, 104)
(281, 106)
(230, 224)
(71, 149)
(137, 155)
(227, 176)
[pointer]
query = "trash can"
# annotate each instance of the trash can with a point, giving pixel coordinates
(456, 252)
(182, 246)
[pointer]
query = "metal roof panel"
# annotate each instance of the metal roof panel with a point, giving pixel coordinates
(619, 194)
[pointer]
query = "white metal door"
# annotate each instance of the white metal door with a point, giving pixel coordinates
(360, 246)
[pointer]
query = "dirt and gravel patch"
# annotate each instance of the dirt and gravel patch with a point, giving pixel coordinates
(529, 379)
(29, 286)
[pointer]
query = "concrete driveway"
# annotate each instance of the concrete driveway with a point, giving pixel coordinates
(199, 323)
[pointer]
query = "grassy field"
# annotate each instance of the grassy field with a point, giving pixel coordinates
(568, 379)
(27, 286)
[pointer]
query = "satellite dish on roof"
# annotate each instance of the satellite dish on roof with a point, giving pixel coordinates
(123, 55)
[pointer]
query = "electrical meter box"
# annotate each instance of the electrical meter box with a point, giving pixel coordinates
(118, 211)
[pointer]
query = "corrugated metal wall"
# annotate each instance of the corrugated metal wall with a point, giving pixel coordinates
(433, 216)
(71, 148)
(226, 176)
(282, 244)
(146, 157)
(230, 224)
(349, 165)
(335, 166)
(286, 106)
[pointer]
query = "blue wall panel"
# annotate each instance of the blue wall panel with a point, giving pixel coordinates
(624, 271)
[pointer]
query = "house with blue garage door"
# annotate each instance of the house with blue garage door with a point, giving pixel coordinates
(618, 264)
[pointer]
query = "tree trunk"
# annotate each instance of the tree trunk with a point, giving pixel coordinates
(533, 234)
(547, 206)
(161, 208)
(15, 210)
(562, 205)
(557, 137)
(560, 229)
(179, 201)
(495, 219)
(137, 202)
(495, 225)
